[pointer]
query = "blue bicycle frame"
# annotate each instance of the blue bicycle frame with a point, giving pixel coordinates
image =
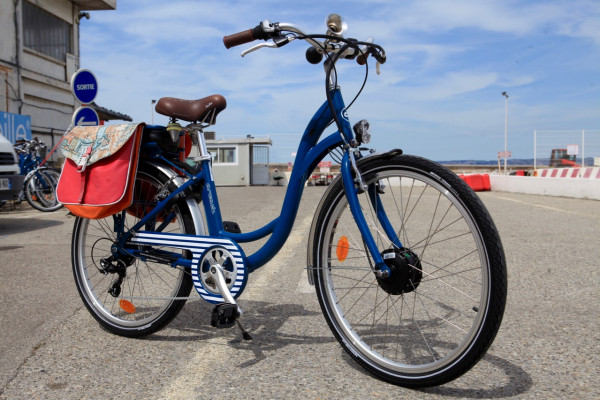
(29, 165)
(310, 152)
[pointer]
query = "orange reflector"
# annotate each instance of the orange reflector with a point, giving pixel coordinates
(127, 306)
(342, 249)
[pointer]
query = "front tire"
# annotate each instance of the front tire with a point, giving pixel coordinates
(440, 313)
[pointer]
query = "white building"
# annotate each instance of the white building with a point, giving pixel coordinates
(240, 162)
(39, 52)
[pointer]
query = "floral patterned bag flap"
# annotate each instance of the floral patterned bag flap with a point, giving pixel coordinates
(87, 144)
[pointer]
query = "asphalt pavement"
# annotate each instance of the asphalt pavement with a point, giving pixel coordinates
(52, 348)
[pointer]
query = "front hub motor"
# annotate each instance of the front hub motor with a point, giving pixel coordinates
(405, 271)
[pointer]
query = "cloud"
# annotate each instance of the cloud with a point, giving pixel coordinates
(450, 85)
(447, 64)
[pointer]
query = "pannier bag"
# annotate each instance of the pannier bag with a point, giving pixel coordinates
(98, 176)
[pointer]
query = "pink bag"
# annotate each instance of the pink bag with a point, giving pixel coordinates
(98, 176)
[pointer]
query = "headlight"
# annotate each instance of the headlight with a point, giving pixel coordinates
(362, 131)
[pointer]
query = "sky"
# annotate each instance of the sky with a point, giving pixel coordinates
(439, 94)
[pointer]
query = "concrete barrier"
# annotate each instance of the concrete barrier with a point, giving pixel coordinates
(580, 188)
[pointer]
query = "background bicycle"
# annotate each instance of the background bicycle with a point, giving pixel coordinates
(39, 186)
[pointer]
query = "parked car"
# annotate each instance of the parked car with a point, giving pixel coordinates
(11, 181)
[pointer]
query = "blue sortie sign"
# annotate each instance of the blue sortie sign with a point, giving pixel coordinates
(84, 86)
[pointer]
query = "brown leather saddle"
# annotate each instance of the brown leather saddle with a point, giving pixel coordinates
(204, 110)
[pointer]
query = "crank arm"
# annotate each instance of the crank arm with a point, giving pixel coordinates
(217, 272)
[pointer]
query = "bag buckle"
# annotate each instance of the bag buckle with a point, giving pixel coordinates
(83, 162)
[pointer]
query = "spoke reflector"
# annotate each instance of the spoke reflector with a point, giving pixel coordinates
(127, 306)
(342, 249)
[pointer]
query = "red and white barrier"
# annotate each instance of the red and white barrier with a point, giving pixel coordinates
(576, 172)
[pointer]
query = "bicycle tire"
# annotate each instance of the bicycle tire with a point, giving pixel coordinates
(42, 195)
(152, 293)
(440, 311)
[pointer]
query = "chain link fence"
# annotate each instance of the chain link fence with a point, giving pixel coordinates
(568, 148)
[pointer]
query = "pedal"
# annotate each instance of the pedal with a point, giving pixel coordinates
(224, 315)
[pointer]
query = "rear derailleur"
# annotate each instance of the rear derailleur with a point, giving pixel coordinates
(116, 265)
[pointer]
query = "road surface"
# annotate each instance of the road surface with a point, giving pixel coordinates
(51, 347)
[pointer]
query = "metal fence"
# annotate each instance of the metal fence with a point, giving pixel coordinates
(580, 146)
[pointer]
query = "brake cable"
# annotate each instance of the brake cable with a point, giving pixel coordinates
(349, 43)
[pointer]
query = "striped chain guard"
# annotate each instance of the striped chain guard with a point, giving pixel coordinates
(206, 251)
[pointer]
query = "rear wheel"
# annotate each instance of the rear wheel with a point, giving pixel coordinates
(40, 190)
(127, 295)
(439, 311)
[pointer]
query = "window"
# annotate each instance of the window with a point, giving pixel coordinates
(224, 155)
(46, 33)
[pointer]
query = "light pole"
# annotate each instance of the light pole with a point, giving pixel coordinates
(152, 109)
(505, 129)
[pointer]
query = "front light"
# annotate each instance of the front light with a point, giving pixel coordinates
(362, 131)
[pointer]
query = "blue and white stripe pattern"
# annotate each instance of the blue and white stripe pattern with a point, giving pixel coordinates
(199, 246)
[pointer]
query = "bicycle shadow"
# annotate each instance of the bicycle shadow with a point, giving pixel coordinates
(264, 322)
(11, 226)
(466, 386)
(519, 382)
(261, 319)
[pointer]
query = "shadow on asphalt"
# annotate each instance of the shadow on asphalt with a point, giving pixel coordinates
(519, 382)
(261, 319)
(10, 226)
(264, 322)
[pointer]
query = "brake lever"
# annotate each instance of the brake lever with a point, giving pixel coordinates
(380, 60)
(276, 43)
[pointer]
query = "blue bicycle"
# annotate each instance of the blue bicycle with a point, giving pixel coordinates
(39, 185)
(405, 259)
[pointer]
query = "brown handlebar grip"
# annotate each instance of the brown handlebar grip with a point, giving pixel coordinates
(238, 38)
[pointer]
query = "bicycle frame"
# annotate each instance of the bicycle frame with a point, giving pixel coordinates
(30, 165)
(310, 152)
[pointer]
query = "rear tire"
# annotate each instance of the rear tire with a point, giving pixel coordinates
(151, 293)
(440, 312)
(40, 190)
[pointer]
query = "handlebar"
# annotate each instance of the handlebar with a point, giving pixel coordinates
(238, 38)
(24, 146)
(265, 30)
(333, 42)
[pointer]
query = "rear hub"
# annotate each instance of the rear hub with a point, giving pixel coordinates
(405, 271)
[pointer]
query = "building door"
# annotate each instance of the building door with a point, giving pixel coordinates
(259, 165)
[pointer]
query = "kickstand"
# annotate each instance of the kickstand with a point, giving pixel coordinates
(245, 333)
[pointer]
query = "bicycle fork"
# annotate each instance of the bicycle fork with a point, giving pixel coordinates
(354, 186)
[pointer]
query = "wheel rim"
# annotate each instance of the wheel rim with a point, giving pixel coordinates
(47, 195)
(149, 288)
(431, 328)
(42, 195)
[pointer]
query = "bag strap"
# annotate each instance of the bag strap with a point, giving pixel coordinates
(83, 162)
(84, 175)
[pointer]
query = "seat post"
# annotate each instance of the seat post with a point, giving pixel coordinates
(197, 133)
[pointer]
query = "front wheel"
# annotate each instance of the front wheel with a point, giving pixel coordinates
(438, 312)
